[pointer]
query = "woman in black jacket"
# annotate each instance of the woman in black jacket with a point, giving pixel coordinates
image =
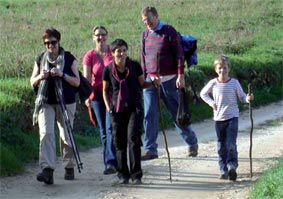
(125, 78)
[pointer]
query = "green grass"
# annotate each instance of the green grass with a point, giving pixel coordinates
(269, 185)
(250, 32)
(239, 28)
(9, 162)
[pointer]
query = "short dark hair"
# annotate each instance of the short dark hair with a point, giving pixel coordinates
(150, 9)
(51, 32)
(118, 43)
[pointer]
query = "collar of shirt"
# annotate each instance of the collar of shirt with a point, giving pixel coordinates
(158, 27)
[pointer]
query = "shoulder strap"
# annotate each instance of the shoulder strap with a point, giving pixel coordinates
(99, 58)
(168, 32)
(144, 36)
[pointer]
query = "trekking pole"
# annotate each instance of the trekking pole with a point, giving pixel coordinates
(61, 101)
(251, 131)
(161, 118)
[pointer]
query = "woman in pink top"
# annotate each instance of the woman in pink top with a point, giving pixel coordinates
(94, 62)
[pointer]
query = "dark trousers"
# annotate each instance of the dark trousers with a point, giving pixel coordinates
(126, 131)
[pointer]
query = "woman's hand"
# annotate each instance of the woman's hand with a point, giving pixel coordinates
(55, 72)
(87, 102)
(156, 81)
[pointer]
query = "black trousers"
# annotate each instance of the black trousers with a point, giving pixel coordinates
(127, 130)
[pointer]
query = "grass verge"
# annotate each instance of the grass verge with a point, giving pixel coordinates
(269, 185)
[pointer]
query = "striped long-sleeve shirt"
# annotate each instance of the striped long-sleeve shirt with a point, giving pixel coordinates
(224, 95)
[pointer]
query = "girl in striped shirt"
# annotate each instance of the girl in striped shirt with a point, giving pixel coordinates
(221, 94)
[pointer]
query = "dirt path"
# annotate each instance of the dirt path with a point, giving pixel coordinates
(191, 177)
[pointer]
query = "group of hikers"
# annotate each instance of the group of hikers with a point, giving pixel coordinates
(125, 98)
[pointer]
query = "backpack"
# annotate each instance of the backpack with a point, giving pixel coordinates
(189, 44)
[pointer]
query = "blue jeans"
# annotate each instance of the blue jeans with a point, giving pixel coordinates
(105, 128)
(227, 132)
(169, 95)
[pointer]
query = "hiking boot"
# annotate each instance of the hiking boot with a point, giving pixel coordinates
(223, 176)
(109, 170)
(193, 150)
(137, 181)
(69, 174)
(123, 180)
(46, 176)
(232, 174)
(148, 156)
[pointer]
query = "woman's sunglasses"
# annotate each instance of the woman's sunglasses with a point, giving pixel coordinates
(53, 43)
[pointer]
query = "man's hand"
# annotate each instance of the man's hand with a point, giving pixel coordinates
(180, 82)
